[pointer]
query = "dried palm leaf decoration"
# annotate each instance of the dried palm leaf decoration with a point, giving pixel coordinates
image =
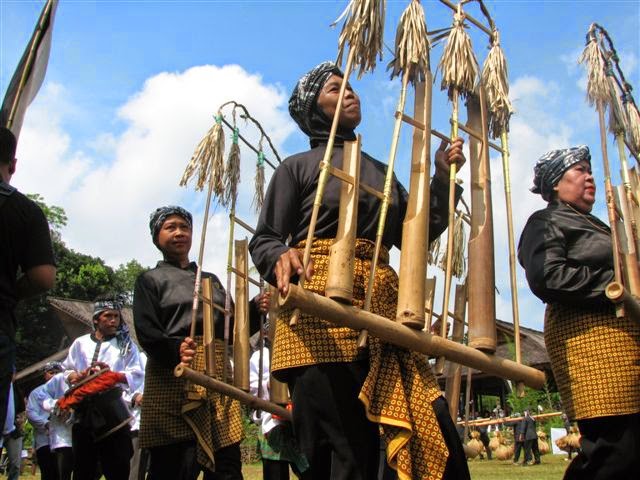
(495, 80)
(259, 180)
(232, 170)
(412, 45)
(633, 123)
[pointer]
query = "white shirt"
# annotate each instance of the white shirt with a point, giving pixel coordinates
(59, 428)
(38, 417)
(267, 422)
(139, 389)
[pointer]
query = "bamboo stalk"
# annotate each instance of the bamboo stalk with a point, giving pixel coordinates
(454, 375)
(208, 332)
(253, 402)
(415, 340)
(619, 295)
(278, 391)
(227, 297)
(241, 348)
(323, 177)
(467, 401)
(430, 289)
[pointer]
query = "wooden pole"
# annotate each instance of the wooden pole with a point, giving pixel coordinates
(416, 340)
(454, 373)
(256, 403)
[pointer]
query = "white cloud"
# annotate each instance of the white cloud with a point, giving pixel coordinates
(109, 192)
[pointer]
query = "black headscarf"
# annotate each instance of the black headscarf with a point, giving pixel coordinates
(552, 165)
(303, 106)
(159, 215)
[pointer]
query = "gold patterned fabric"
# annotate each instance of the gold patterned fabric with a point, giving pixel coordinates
(595, 359)
(168, 416)
(399, 389)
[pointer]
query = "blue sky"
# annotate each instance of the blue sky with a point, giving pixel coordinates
(132, 87)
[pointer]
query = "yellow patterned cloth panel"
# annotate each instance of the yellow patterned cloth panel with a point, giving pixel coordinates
(595, 359)
(400, 388)
(168, 416)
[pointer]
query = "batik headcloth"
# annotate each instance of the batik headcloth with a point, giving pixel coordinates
(52, 367)
(157, 218)
(306, 92)
(100, 306)
(552, 165)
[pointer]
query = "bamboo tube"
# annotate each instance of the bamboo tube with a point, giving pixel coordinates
(467, 401)
(416, 340)
(253, 402)
(339, 285)
(430, 289)
(323, 177)
(208, 332)
(384, 205)
(484, 421)
(618, 294)
(454, 373)
(415, 229)
(627, 243)
(227, 298)
(278, 391)
(241, 348)
(482, 304)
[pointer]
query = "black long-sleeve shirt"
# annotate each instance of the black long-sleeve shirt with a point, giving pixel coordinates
(286, 214)
(162, 303)
(567, 256)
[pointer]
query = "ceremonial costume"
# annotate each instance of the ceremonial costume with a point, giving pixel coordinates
(325, 370)
(595, 356)
(25, 243)
(39, 418)
(60, 442)
(121, 355)
(184, 436)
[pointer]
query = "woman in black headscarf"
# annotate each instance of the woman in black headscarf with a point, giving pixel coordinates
(567, 255)
(321, 363)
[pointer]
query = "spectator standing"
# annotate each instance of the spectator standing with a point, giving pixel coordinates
(530, 440)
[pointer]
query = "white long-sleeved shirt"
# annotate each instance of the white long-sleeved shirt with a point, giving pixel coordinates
(59, 428)
(38, 417)
(81, 353)
(267, 422)
(137, 390)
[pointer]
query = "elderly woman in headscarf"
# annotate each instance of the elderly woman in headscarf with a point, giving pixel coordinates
(595, 356)
(325, 370)
(185, 432)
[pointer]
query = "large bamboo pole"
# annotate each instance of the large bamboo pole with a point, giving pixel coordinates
(339, 285)
(415, 229)
(278, 391)
(241, 347)
(416, 340)
(256, 403)
(208, 329)
(481, 277)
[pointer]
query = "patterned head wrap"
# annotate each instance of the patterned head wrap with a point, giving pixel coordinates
(52, 367)
(157, 218)
(122, 334)
(100, 306)
(303, 104)
(552, 165)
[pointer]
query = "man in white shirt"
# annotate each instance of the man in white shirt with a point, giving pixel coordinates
(109, 346)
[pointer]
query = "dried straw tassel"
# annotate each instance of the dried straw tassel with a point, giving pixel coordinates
(597, 81)
(458, 63)
(617, 116)
(633, 123)
(412, 45)
(458, 263)
(495, 79)
(258, 196)
(232, 171)
(363, 31)
(207, 159)
(434, 252)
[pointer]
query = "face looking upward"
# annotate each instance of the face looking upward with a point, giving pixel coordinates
(577, 188)
(174, 239)
(350, 115)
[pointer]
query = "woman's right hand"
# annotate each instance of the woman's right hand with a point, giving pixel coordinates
(187, 351)
(290, 263)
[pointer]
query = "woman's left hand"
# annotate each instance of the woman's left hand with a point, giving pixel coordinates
(446, 156)
(263, 301)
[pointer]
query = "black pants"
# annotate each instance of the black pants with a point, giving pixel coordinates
(275, 469)
(610, 449)
(7, 364)
(64, 462)
(531, 446)
(46, 463)
(113, 453)
(178, 461)
(519, 447)
(484, 438)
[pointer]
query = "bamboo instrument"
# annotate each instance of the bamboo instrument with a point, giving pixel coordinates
(467, 402)
(430, 291)
(481, 277)
(253, 402)
(208, 331)
(362, 31)
(278, 391)
(241, 347)
(228, 306)
(486, 421)
(454, 373)
(459, 71)
(415, 229)
(416, 340)
(619, 295)
(339, 284)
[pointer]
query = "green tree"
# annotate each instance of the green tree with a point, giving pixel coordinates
(125, 278)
